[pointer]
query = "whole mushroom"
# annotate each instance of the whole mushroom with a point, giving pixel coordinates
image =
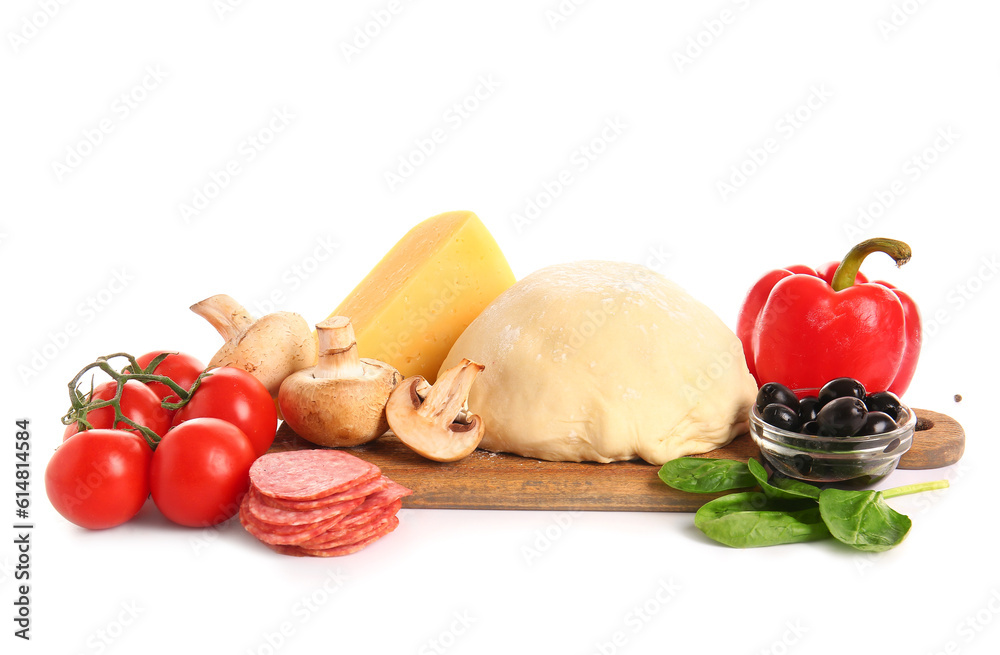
(270, 348)
(340, 401)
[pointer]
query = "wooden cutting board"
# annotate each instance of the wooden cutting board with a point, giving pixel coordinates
(487, 480)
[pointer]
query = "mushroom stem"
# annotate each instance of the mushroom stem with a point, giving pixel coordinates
(338, 350)
(446, 400)
(226, 315)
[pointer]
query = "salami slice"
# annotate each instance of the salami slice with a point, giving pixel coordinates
(360, 516)
(347, 549)
(287, 533)
(391, 495)
(309, 474)
(288, 529)
(357, 491)
(321, 503)
(340, 534)
(305, 533)
(392, 492)
(288, 517)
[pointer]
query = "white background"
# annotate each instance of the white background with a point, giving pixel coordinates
(885, 80)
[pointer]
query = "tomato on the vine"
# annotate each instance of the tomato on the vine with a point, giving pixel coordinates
(233, 395)
(182, 368)
(138, 403)
(100, 478)
(200, 472)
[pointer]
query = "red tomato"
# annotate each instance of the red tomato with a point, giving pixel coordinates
(100, 479)
(138, 402)
(179, 367)
(233, 395)
(200, 472)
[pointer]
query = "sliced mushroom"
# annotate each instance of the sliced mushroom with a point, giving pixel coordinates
(340, 401)
(270, 348)
(434, 421)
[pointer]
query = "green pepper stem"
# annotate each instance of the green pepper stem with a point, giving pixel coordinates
(847, 272)
(915, 488)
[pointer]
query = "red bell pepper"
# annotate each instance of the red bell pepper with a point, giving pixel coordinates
(803, 327)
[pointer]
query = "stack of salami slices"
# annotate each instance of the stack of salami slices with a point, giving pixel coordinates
(323, 503)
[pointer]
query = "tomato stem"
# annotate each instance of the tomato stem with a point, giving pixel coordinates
(194, 387)
(81, 404)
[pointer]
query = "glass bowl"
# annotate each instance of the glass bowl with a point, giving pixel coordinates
(862, 460)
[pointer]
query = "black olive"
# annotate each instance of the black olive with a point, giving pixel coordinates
(802, 463)
(878, 423)
(842, 417)
(841, 388)
(808, 408)
(775, 392)
(811, 428)
(781, 416)
(886, 401)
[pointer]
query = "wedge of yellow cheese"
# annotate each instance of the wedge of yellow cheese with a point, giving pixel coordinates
(416, 302)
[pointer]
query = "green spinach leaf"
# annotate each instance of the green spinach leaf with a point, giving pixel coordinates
(703, 475)
(796, 486)
(787, 510)
(798, 490)
(751, 519)
(862, 519)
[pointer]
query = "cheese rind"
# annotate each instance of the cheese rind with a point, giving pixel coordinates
(410, 309)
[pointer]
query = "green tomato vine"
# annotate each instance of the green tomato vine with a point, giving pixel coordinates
(82, 403)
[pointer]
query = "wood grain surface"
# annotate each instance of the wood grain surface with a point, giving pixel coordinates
(487, 480)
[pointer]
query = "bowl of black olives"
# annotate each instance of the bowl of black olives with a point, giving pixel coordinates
(837, 433)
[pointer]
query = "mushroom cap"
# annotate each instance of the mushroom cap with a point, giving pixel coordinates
(425, 436)
(338, 411)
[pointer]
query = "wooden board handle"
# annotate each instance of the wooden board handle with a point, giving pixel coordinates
(938, 441)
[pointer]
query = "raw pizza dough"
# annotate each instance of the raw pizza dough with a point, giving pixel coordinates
(604, 361)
